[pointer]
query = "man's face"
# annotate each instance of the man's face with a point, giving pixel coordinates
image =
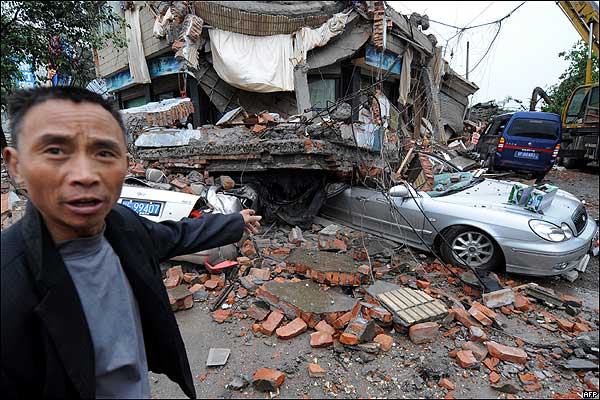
(72, 159)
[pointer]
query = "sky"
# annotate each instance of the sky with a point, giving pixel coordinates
(523, 56)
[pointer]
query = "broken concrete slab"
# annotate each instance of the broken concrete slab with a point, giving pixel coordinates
(543, 294)
(499, 298)
(306, 300)
(325, 267)
(587, 341)
(249, 283)
(580, 364)
(380, 287)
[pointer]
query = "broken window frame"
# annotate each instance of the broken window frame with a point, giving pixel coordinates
(318, 78)
(134, 102)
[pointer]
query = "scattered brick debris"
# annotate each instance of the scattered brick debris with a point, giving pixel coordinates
(315, 371)
(267, 380)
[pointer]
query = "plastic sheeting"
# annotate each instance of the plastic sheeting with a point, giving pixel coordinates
(222, 203)
(405, 77)
(265, 64)
(160, 23)
(307, 38)
(253, 63)
(138, 68)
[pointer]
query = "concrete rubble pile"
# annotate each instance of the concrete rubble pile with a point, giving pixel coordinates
(257, 142)
(349, 293)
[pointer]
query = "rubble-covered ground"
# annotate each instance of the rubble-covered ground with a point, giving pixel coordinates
(454, 362)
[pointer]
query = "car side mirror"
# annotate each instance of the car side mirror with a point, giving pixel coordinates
(399, 191)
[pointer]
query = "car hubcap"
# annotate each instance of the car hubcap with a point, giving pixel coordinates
(474, 248)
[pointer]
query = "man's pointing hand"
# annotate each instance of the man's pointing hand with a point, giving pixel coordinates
(251, 220)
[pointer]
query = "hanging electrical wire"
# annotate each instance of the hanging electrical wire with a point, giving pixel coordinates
(488, 49)
(467, 27)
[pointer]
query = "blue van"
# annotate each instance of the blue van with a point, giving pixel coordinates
(521, 141)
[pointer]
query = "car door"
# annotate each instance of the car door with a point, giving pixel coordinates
(488, 142)
(389, 216)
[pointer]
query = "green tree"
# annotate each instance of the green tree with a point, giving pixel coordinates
(574, 76)
(57, 35)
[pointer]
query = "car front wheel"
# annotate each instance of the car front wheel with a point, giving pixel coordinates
(466, 245)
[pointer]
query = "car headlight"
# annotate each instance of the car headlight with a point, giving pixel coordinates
(549, 231)
(567, 230)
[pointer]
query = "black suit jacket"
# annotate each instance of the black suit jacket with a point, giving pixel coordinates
(47, 349)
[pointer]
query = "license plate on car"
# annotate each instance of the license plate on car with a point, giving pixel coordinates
(141, 207)
(530, 155)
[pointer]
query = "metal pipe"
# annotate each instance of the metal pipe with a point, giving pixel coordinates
(467, 74)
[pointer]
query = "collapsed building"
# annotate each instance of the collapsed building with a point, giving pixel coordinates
(287, 59)
(317, 89)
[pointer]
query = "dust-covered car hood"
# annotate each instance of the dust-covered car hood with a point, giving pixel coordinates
(494, 194)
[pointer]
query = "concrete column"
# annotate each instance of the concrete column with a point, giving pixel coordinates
(301, 89)
(148, 94)
(192, 90)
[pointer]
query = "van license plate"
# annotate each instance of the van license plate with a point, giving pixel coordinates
(527, 154)
(150, 208)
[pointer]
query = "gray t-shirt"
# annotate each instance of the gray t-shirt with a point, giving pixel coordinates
(113, 317)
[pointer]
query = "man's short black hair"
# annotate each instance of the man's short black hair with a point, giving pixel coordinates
(22, 101)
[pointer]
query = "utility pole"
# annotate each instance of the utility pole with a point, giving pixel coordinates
(467, 74)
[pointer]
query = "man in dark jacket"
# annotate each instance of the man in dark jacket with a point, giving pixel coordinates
(84, 310)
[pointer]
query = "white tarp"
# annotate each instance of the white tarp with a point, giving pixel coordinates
(308, 38)
(405, 77)
(253, 63)
(265, 64)
(160, 24)
(135, 49)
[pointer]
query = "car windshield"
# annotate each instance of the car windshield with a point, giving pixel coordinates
(534, 128)
(439, 178)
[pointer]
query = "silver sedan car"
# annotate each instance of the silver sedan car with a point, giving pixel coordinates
(471, 222)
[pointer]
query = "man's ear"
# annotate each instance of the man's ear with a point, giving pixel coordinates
(11, 157)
